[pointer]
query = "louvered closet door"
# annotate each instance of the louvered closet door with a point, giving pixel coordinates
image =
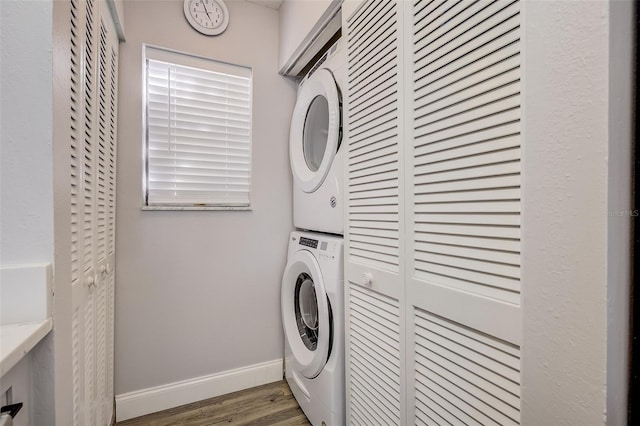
(105, 213)
(109, 278)
(101, 224)
(76, 141)
(83, 207)
(92, 141)
(374, 290)
(463, 188)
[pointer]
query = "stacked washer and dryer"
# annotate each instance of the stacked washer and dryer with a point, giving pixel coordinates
(313, 281)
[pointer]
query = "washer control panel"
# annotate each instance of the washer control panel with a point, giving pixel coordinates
(327, 249)
(328, 255)
(323, 249)
(309, 242)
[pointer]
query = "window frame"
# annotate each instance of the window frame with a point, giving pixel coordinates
(201, 62)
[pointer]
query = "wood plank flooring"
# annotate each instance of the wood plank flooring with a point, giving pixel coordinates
(271, 404)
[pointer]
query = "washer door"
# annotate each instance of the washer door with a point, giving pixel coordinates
(305, 313)
(315, 130)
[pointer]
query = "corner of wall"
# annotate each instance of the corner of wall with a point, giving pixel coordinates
(565, 186)
(620, 204)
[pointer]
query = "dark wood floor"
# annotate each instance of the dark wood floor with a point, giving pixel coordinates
(271, 404)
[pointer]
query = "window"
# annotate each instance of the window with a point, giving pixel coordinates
(198, 132)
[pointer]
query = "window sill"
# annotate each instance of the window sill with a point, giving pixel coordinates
(195, 208)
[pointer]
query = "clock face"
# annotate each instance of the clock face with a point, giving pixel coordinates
(209, 17)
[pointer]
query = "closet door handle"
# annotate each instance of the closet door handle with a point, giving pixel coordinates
(366, 279)
(91, 282)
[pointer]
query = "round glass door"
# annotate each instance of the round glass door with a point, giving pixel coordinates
(305, 313)
(305, 305)
(315, 132)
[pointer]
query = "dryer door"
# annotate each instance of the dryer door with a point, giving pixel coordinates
(305, 313)
(316, 131)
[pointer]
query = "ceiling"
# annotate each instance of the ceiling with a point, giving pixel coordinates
(273, 4)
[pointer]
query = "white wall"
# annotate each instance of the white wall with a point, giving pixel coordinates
(26, 188)
(26, 177)
(573, 158)
(198, 292)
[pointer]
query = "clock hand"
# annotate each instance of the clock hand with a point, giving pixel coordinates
(206, 10)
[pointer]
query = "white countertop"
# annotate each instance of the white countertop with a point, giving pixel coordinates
(16, 340)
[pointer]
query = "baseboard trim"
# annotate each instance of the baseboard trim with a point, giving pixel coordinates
(152, 400)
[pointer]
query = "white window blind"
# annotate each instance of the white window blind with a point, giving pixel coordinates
(198, 129)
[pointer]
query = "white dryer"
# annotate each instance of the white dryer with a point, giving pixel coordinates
(315, 146)
(313, 321)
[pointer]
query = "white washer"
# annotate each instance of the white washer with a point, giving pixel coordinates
(313, 321)
(315, 146)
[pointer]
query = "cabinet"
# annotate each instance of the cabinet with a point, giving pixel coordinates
(94, 55)
(433, 128)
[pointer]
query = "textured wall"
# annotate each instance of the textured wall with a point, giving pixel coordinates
(198, 292)
(572, 161)
(26, 177)
(26, 188)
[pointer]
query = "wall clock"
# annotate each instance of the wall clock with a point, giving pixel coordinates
(209, 17)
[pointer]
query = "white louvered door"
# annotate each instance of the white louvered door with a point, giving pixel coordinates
(463, 218)
(374, 268)
(111, 77)
(433, 237)
(76, 140)
(94, 47)
(83, 162)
